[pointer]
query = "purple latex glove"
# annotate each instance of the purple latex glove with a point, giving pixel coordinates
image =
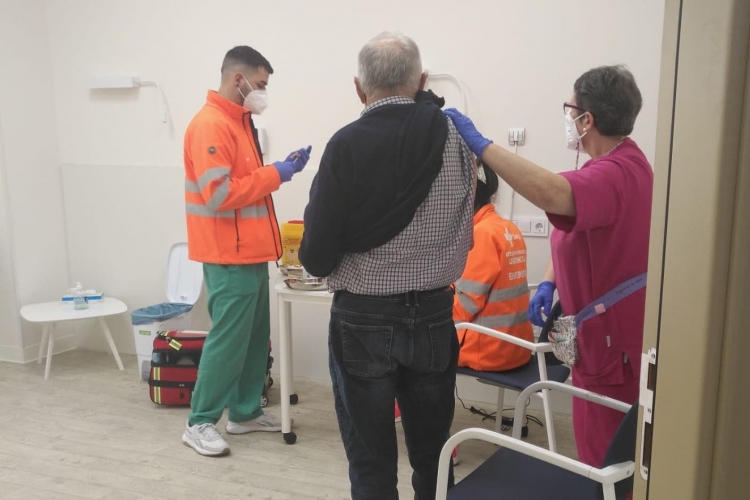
(286, 170)
(476, 141)
(542, 300)
(293, 164)
(300, 157)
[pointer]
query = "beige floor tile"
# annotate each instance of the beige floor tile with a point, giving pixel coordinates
(91, 432)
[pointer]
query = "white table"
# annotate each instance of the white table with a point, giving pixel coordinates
(51, 313)
(286, 297)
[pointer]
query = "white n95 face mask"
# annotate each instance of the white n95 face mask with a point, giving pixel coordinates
(572, 136)
(256, 101)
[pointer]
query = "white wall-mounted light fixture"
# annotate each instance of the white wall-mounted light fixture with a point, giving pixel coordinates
(127, 82)
(113, 82)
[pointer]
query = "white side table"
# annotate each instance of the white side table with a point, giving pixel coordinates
(286, 297)
(51, 313)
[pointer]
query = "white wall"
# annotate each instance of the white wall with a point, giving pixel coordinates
(11, 340)
(122, 175)
(32, 196)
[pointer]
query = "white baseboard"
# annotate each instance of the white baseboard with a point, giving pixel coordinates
(31, 353)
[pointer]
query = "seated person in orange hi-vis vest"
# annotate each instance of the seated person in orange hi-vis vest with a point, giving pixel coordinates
(493, 290)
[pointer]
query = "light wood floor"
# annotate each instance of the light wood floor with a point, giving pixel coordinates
(92, 432)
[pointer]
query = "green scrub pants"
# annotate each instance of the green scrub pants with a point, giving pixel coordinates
(233, 364)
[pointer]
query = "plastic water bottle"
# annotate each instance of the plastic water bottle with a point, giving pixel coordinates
(79, 297)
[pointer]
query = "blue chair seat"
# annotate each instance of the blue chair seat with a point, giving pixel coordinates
(519, 378)
(509, 475)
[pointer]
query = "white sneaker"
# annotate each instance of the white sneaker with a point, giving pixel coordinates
(205, 439)
(268, 422)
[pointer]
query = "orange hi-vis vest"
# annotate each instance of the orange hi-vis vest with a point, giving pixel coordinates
(230, 213)
(493, 292)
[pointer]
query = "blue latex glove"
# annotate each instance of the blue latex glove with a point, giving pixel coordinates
(286, 170)
(542, 299)
(300, 157)
(476, 141)
(293, 164)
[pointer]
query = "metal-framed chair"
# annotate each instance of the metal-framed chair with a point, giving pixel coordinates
(522, 470)
(542, 367)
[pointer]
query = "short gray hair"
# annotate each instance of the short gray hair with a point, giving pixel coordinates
(390, 62)
(612, 96)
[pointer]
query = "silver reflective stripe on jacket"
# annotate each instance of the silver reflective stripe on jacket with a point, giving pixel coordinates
(254, 212)
(512, 292)
(192, 187)
(474, 287)
(504, 320)
(204, 211)
(211, 175)
(220, 194)
(466, 302)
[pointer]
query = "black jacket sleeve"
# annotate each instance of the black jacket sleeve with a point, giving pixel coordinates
(325, 213)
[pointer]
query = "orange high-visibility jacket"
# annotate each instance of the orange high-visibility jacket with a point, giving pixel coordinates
(493, 292)
(230, 213)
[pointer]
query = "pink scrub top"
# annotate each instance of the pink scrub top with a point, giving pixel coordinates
(605, 244)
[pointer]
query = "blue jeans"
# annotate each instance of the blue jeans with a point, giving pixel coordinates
(382, 348)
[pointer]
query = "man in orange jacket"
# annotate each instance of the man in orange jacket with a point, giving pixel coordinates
(493, 290)
(232, 229)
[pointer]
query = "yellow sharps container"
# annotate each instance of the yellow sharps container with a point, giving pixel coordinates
(291, 237)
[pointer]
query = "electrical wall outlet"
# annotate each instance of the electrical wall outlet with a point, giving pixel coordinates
(540, 227)
(517, 136)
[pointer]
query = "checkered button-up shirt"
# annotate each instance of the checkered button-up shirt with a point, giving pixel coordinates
(431, 251)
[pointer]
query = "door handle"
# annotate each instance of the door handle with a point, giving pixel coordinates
(646, 400)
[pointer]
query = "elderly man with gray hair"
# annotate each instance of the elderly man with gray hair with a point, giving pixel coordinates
(390, 224)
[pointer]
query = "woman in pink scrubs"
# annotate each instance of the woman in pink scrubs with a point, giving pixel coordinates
(601, 215)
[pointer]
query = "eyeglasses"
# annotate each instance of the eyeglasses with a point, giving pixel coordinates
(567, 106)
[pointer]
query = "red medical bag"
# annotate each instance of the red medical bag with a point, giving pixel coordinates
(174, 366)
